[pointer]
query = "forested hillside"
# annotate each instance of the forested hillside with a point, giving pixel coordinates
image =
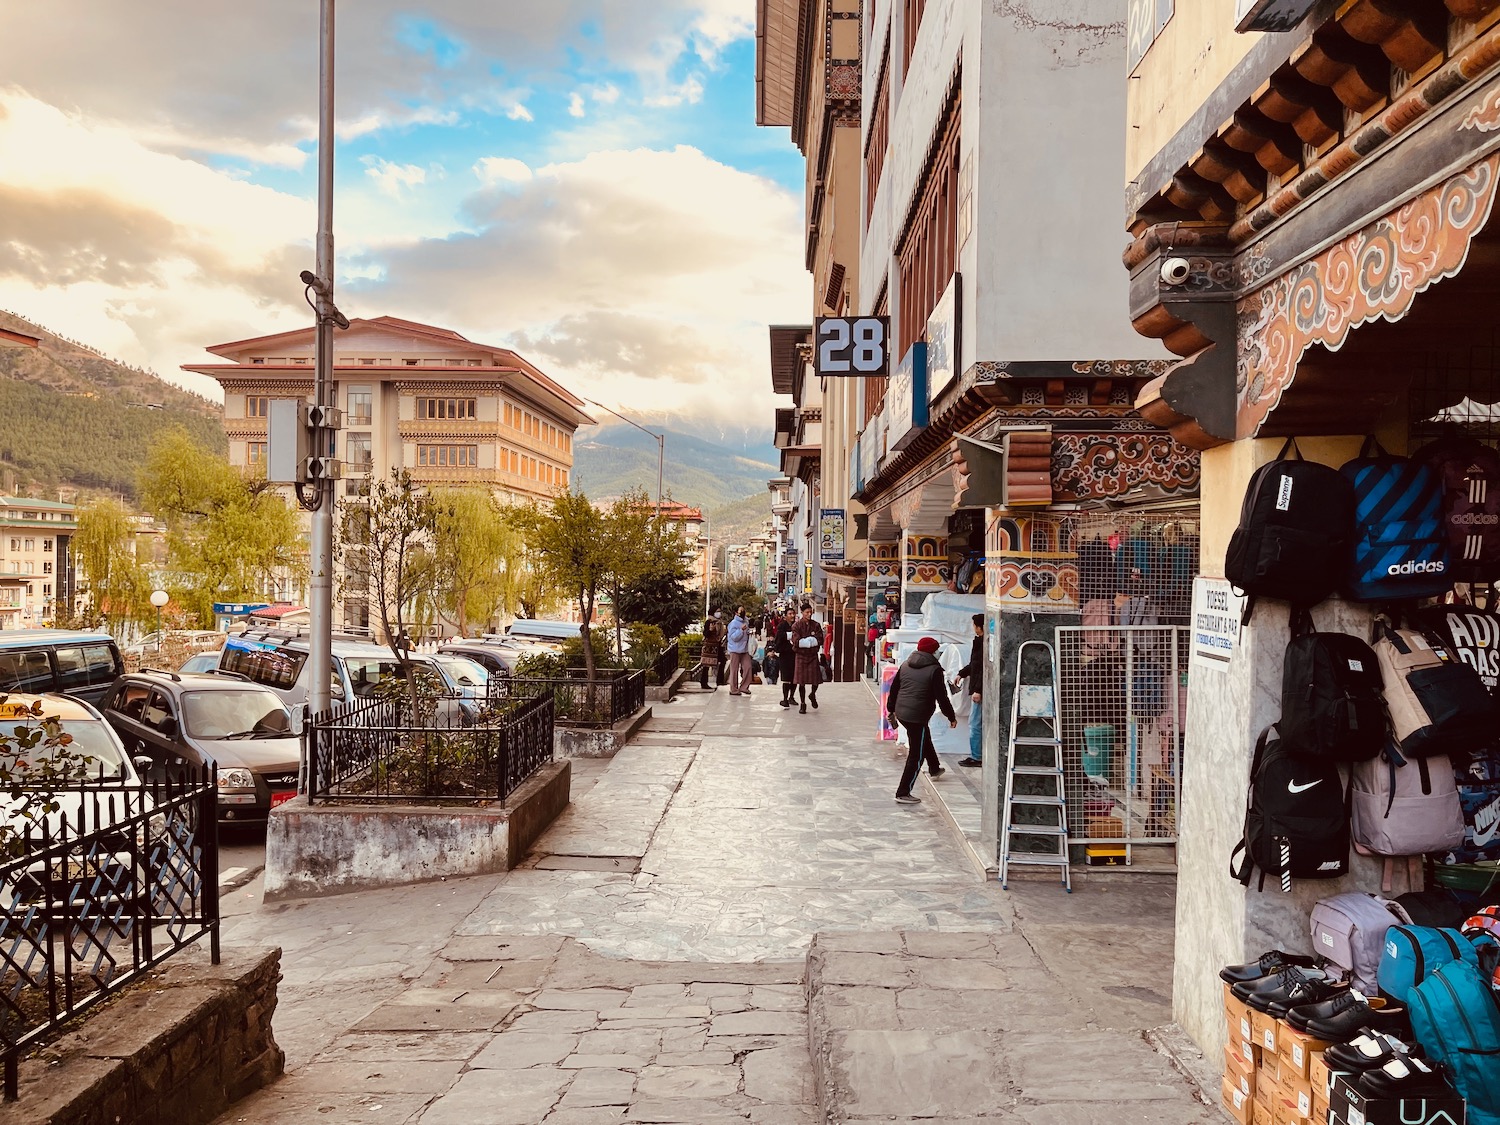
(73, 417)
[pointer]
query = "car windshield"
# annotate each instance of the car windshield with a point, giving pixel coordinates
(235, 713)
(92, 740)
(463, 671)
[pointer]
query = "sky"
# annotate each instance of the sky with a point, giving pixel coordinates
(581, 180)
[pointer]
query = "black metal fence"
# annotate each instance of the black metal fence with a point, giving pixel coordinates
(614, 694)
(664, 667)
(371, 751)
(110, 885)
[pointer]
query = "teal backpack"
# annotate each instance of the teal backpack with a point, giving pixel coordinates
(1456, 1019)
(1412, 953)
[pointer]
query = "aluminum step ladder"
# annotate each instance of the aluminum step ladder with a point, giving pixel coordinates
(1034, 707)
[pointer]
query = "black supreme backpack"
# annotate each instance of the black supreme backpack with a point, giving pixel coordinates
(1331, 702)
(1296, 818)
(1295, 528)
(1469, 473)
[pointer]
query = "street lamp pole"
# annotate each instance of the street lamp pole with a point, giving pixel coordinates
(661, 447)
(159, 598)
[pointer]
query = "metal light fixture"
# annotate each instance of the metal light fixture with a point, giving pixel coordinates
(159, 598)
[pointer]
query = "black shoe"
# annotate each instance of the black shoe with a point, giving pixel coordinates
(803, 711)
(1404, 1078)
(1392, 1020)
(937, 772)
(1245, 989)
(1292, 988)
(972, 763)
(1268, 965)
(1364, 1052)
(814, 702)
(786, 702)
(908, 798)
(1298, 1017)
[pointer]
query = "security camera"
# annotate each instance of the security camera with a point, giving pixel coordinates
(1175, 271)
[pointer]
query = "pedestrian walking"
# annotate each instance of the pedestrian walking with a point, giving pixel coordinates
(786, 654)
(973, 671)
(723, 651)
(710, 654)
(807, 639)
(919, 689)
(739, 653)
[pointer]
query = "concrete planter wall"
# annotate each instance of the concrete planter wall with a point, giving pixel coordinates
(591, 742)
(332, 848)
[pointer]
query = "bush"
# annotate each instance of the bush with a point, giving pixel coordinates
(689, 646)
(647, 642)
(543, 665)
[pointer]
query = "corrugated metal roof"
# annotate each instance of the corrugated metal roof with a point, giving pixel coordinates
(776, 26)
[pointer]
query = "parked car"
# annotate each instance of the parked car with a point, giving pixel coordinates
(549, 633)
(496, 659)
(469, 677)
(279, 662)
(201, 662)
(149, 645)
(37, 661)
(175, 719)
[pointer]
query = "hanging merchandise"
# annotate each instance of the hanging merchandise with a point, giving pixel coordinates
(1456, 1018)
(1413, 952)
(1399, 547)
(1296, 823)
(1349, 931)
(1401, 808)
(1437, 705)
(1472, 635)
(1437, 907)
(1477, 775)
(1331, 704)
(1469, 472)
(1292, 541)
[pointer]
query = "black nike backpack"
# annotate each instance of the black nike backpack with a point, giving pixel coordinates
(1331, 702)
(1296, 818)
(1295, 529)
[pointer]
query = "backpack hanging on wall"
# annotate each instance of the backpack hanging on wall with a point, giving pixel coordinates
(1292, 541)
(1331, 704)
(1296, 818)
(1348, 930)
(1400, 548)
(1469, 474)
(1477, 776)
(1404, 808)
(1470, 634)
(1437, 705)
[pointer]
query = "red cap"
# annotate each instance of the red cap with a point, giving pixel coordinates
(927, 644)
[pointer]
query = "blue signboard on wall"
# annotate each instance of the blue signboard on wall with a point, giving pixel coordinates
(906, 399)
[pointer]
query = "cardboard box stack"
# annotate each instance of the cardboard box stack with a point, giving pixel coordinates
(1273, 1075)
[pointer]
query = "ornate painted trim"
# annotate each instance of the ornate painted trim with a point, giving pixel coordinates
(1110, 466)
(1484, 117)
(1374, 273)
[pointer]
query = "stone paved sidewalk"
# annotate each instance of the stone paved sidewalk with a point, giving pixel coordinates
(649, 962)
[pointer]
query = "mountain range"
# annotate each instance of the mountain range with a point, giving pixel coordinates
(75, 418)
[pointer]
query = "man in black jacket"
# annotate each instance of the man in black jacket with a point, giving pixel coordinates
(974, 672)
(918, 689)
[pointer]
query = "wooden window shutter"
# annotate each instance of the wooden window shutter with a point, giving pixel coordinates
(1028, 468)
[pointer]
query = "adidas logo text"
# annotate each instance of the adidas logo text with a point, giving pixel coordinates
(1473, 519)
(1435, 567)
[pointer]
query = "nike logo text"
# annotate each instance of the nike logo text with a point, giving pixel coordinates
(1293, 787)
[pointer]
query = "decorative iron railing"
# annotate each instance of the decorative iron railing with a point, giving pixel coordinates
(614, 694)
(371, 751)
(664, 667)
(118, 879)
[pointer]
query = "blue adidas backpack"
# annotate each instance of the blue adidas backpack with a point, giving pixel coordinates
(1456, 1019)
(1400, 540)
(1413, 953)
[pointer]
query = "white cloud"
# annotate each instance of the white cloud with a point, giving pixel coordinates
(519, 112)
(393, 179)
(690, 90)
(607, 94)
(495, 170)
(575, 104)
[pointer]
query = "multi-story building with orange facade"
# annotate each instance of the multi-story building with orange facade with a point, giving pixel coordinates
(413, 396)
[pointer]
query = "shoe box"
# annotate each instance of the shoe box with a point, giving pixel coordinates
(1273, 1074)
(1348, 1106)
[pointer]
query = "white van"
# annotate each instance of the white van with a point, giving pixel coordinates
(550, 633)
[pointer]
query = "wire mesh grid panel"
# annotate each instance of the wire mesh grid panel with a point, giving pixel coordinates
(1122, 703)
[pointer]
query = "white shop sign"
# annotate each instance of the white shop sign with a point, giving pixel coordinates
(1216, 622)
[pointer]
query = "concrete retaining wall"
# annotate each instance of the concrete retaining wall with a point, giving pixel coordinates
(332, 848)
(663, 693)
(178, 1048)
(587, 742)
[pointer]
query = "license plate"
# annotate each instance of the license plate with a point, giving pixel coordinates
(282, 798)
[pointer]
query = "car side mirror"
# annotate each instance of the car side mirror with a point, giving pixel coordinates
(144, 763)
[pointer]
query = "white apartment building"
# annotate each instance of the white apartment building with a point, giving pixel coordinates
(36, 574)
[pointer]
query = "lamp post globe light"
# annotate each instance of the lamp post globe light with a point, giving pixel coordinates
(159, 598)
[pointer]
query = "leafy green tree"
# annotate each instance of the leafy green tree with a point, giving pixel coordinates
(729, 593)
(118, 587)
(637, 539)
(570, 546)
(387, 537)
(661, 596)
(229, 532)
(476, 553)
